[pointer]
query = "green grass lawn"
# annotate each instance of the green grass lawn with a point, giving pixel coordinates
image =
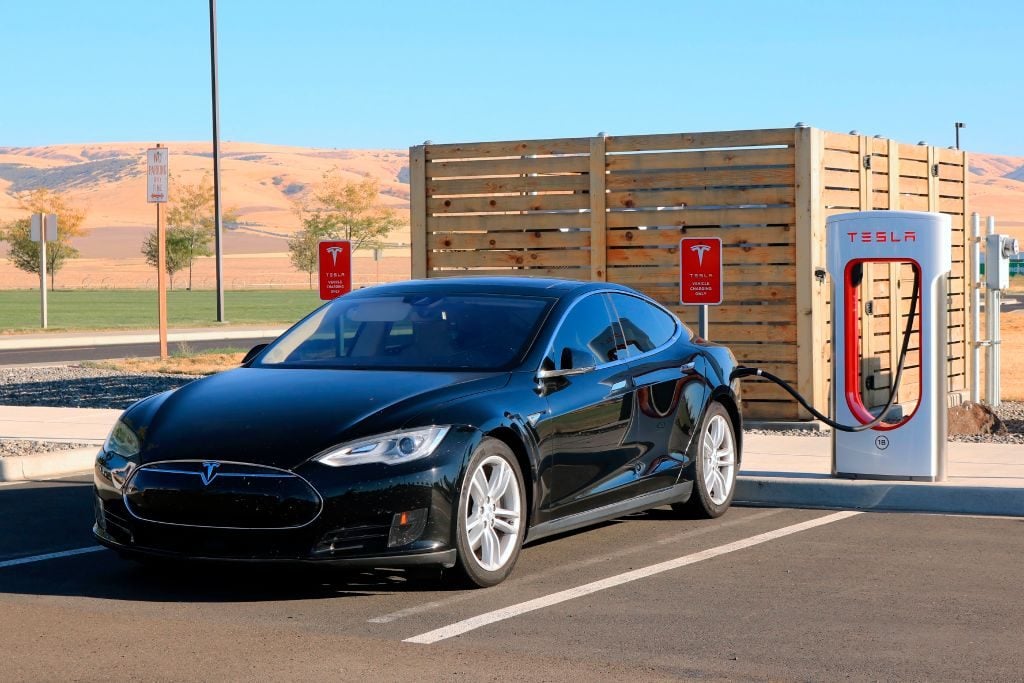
(94, 309)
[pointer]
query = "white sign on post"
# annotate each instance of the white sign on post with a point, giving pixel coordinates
(156, 172)
(44, 224)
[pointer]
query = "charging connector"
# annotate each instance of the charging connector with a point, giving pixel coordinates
(743, 371)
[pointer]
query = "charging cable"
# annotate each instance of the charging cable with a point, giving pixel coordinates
(742, 371)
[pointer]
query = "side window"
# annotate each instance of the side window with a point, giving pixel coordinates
(645, 327)
(586, 337)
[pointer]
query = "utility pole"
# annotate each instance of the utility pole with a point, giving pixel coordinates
(217, 226)
(957, 126)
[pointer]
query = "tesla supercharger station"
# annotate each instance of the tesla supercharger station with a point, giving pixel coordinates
(911, 447)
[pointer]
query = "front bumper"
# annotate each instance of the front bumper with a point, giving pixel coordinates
(444, 558)
(359, 523)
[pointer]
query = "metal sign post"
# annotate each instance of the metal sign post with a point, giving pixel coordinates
(43, 230)
(156, 173)
(700, 276)
(335, 262)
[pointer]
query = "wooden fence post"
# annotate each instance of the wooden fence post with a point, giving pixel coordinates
(970, 270)
(418, 210)
(810, 254)
(598, 213)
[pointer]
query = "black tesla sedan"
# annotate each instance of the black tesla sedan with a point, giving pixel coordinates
(442, 422)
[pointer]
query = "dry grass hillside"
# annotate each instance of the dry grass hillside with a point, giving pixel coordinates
(997, 189)
(262, 183)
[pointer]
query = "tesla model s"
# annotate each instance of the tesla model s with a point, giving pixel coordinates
(429, 423)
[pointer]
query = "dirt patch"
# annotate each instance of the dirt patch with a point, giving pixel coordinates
(201, 364)
(974, 418)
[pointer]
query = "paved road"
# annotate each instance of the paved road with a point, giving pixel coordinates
(63, 354)
(759, 594)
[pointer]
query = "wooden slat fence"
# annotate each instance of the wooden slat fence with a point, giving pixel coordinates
(615, 208)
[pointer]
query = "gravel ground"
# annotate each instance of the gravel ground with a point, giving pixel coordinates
(73, 386)
(15, 447)
(1012, 415)
(1010, 412)
(79, 387)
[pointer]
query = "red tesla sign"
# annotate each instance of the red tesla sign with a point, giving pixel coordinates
(335, 268)
(700, 270)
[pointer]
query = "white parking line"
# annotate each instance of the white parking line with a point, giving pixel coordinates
(476, 622)
(50, 556)
(575, 566)
(402, 613)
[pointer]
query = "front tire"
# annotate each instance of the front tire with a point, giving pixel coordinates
(491, 518)
(715, 466)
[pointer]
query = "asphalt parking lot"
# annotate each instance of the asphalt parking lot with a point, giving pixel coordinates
(759, 594)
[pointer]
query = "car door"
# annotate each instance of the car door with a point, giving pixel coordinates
(669, 377)
(582, 435)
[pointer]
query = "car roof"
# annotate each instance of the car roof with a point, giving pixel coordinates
(524, 286)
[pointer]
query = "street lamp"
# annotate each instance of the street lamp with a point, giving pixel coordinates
(957, 126)
(218, 247)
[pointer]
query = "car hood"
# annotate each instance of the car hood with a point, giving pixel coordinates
(282, 417)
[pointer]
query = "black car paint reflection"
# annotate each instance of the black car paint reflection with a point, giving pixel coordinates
(593, 445)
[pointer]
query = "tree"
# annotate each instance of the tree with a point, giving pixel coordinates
(179, 247)
(191, 222)
(24, 253)
(338, 209)
(303, 249)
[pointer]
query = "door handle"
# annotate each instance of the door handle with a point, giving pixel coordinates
(689, 368)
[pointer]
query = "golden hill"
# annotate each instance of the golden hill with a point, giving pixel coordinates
(260, 181)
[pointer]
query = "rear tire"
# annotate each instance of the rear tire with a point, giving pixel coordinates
(491, 516)
(716, 460)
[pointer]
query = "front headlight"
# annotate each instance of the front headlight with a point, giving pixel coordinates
(122, 441)
(391, 448)
(114, 461)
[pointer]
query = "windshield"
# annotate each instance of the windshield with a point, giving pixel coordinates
(412, 331)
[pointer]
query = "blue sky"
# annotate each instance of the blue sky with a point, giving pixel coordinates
(391, 74)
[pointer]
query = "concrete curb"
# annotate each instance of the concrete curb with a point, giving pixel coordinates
(47, 465)
(812, 491)
(34, 342)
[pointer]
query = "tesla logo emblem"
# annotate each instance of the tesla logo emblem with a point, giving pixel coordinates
(701, 249)
(334, 251)
(882, 442)
(208, 474)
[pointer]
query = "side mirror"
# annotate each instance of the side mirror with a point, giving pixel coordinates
(573, 362)
(253, 352)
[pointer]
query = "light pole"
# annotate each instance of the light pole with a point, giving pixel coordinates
(218, 247)
(957, 126)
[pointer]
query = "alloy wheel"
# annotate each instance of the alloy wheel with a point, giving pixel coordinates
(494, 513)
(719, 454)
